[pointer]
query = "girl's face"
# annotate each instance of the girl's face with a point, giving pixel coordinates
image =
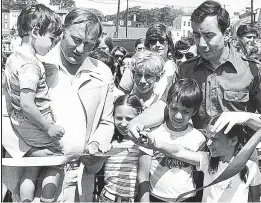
(219, 144)
(122, 116)
(144, 80)
(179, 115)
(125, 64)
(43, 44)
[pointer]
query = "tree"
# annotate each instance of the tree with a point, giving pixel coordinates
(18, 4)
(63, 4)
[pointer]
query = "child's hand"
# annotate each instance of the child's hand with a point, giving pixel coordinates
(56, 131)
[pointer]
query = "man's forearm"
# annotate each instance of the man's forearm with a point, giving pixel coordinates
(152, 116)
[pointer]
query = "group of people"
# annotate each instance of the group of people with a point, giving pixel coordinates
(172, 110)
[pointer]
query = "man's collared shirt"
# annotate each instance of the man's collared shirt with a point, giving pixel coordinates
(233, 86)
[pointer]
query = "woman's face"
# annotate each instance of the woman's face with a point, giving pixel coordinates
(160, 45)
(249, 39)
(140, 47)
(119, 56)
(125, 64)
(122, 116)
(103, 46)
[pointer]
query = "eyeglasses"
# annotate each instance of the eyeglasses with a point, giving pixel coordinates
(179, 55)
(161, 40)
(147, 77)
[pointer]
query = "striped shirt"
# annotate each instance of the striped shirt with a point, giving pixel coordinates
(26, 72)
(120, 172)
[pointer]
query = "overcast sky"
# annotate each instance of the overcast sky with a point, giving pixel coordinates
(110, 6)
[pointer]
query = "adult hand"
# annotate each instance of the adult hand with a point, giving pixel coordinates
(230, 119)
(56, 131)
(92, 148)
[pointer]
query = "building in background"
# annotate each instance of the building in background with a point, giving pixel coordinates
(5, 22)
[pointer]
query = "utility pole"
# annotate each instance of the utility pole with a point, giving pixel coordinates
(252, 12)
(127, 18)
(117, 20)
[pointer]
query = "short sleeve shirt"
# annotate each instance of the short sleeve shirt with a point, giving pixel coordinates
(27, 72)
(233, 86)
(230, 190)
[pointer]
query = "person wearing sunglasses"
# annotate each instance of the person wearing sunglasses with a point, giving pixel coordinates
(247, 35)
(158, 39)
(139, 45)
(183, 52)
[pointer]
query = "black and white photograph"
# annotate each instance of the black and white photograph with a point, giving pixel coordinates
(131, 101)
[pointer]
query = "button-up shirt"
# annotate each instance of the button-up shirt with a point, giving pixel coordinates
(233, 86)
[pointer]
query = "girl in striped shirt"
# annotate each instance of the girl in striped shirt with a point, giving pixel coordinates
(120, 171)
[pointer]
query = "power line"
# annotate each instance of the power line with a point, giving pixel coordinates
(103, 2)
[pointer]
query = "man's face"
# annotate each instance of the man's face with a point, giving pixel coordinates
(209, 38)
(77, 43)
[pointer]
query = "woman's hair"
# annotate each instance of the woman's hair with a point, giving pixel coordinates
(148, 60)
(187, 91)
(129, 100)
(211, 8)
(107, 40)
(82, 15)
(121, 49)
(138, 41)
(245, 29)
(105, 57)
(38, 17)
(242, 133)
(182, 45)
(159, 30)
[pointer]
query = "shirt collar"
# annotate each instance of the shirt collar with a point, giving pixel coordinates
(231, 57)
(88, 65)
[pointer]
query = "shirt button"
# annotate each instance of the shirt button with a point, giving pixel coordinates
(236, 98)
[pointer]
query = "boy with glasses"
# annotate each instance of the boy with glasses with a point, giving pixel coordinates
(147, 69)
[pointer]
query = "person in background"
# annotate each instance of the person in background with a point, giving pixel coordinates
(147, 68)
(32, 117)
(182, 52)
(125, 64)
(223, 147)
(158, 39)
(121, 169)
(105, 43)
(167, 177)
(119, 54)
(247, 35)
(139, 45)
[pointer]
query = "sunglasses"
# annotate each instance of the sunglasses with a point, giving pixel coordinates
(249, 37)
(179, 55)
(161, 40)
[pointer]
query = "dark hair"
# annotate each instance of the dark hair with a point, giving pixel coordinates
(107, 40)
(159, 30)
(39, 17)
(187, 91)
(82, 15)
(212, 8)
(245, 29)
(138, 41)
(182, 45)
(105, 57)
(243, 134)
(121, 49)
(130, 100)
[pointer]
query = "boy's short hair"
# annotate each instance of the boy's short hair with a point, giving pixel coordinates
(40, 17)
(148, 60)
(187, 91)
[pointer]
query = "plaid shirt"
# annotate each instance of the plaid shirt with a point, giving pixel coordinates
(233, 86)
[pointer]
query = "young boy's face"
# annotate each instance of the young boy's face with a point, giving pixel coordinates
(43, 44)
(179, 115)
(144, 80)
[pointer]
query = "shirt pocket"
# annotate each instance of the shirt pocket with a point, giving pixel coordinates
(234, 96)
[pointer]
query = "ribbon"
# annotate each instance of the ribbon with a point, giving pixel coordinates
(59, 160)
(235, 166)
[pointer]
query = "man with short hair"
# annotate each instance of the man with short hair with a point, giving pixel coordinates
(230, 82)
(82, 101)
